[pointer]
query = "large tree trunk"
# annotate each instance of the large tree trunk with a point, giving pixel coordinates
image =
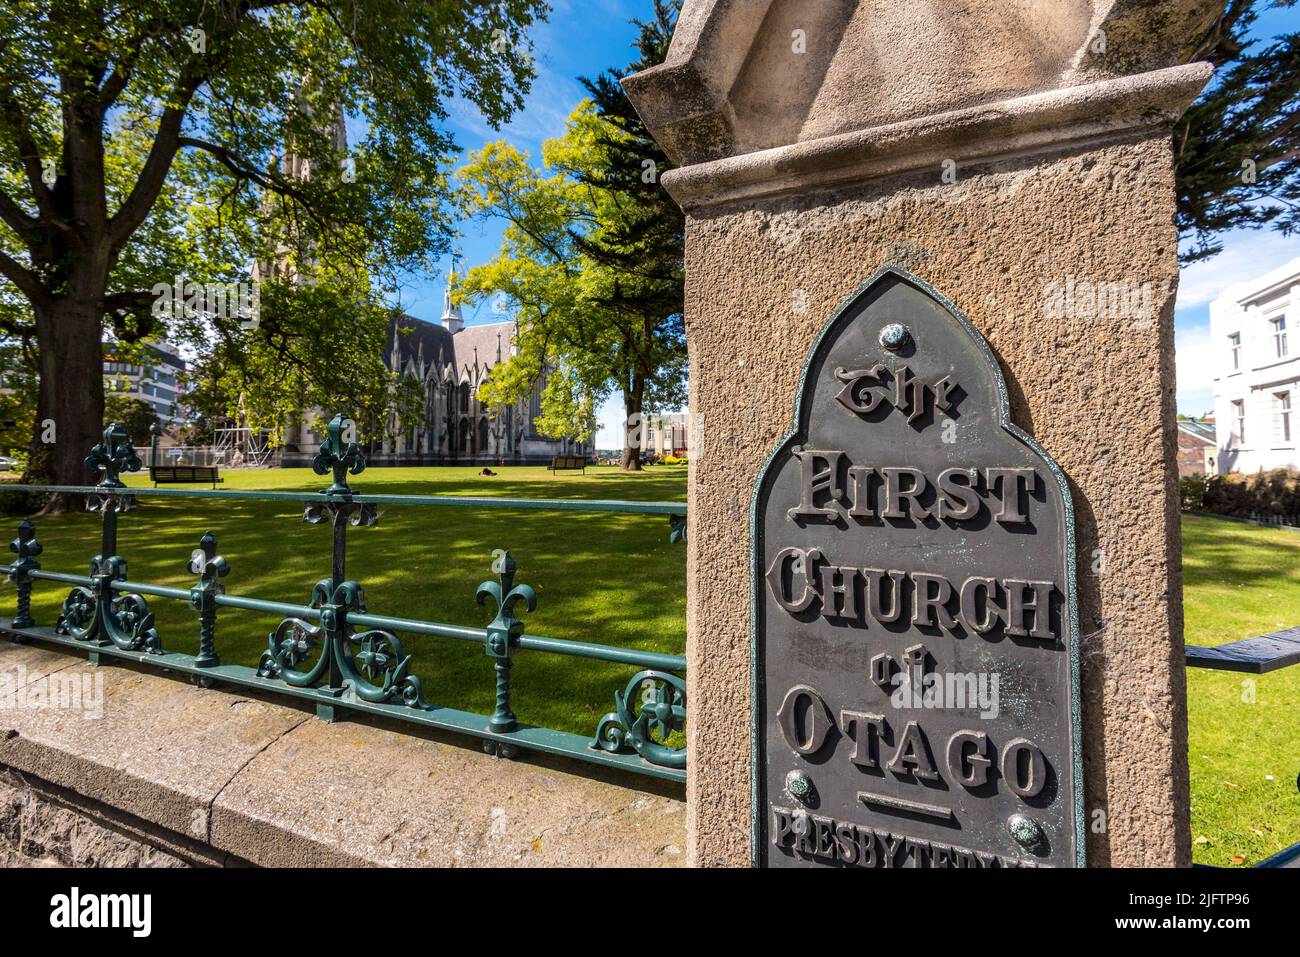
(70, 406)
(632, 403)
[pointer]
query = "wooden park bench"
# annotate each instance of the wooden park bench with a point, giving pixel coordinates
(184, 474)
(568, 463)
(1258, 656)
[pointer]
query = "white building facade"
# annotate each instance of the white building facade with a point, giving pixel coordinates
(666, 434)
(1255, 327)
(157, 381)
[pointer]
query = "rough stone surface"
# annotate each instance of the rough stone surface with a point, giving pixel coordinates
(173, 774)
(1054, 120)
(749, 75)
(802, 173)
(162, 749)
(351, 793)
(37, 831)
(1096, 391)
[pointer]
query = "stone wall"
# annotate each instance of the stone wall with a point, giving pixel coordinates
(996, 151)
(170, 774)
(991, 243)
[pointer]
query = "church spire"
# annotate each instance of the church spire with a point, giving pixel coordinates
(451, 317)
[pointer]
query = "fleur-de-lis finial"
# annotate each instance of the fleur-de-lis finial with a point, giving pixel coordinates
(506, 595)
(502, 634)
(339, 453)
(209, 566)
(112, 456)
(25, 546)
(206, 563)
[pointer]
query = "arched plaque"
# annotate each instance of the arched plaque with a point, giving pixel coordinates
(915, 621)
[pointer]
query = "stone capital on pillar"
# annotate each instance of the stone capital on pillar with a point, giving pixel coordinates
(999, 150)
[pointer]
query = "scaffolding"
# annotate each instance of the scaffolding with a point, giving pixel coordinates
(233, 447)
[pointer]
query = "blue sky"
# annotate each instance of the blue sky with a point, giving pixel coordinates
(585, 37)
(1246, 254)
(581, 38)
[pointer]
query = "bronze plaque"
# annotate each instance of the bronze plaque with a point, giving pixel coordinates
(915, 620)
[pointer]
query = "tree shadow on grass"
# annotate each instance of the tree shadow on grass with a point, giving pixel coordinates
(608, 578)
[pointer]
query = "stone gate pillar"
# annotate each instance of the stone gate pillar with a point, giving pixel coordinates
(1016, 157)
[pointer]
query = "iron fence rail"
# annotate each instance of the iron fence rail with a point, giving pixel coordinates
(333, 651)
(542, 504)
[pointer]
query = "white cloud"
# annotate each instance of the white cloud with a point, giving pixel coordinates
(1246, 255)
(546, 106)
(1194, 354)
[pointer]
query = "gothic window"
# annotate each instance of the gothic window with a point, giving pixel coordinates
(464, 397)
(483, 435)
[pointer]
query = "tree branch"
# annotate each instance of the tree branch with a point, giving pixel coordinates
(16, 218)
(135, 208)
(29, 155)
(27, 281)
(241, 170)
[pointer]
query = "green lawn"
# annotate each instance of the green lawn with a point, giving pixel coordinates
(600, 577)
(616, 580)
(1244, 731)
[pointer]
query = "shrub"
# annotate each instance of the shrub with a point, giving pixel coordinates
(1191, 493)
(1275, 493)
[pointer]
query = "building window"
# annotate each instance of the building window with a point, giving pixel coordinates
(1234, 344)
(1279, 335)
(1284, 414)
(1239, 420)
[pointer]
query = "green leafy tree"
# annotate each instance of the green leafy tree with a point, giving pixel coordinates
(136, 415)
(309, 345)
(1238, 146)
(145, 140)
(17, 395)
(591, 261)
(643, 245)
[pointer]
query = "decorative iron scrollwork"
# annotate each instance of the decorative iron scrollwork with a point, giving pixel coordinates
(100, 614)
(78, 615)
(318, 648)
(372, 663)
(289, 646)
(128, 623)
(362, 514)
(653, 703)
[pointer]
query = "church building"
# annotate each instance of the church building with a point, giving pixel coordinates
(450, 360)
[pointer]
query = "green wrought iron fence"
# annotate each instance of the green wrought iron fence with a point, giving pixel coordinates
(333, 652)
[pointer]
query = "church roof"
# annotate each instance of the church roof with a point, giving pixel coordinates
(482, 342)
(415, 337)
